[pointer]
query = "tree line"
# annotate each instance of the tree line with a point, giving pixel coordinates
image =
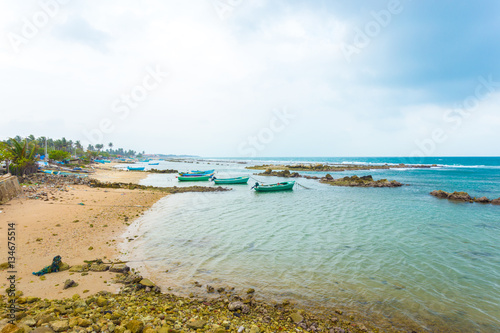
(21, 154)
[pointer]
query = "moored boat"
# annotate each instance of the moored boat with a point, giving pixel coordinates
(282, 186)
(237, 180)
(154, 163)
(197, 173)
(194, 178)
(135, 168)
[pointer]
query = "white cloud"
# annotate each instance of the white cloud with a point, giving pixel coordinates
(226, 78)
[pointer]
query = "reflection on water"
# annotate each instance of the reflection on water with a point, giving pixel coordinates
(395, 255)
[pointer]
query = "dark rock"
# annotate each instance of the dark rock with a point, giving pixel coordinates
(234, 306)
(69, 283)
(496, 201)
(95, 267)
(119, 268)
(460, 196)
(365, 181)
(337, 330)
(440, 194)
(483, 200)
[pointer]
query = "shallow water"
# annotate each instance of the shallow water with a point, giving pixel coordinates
(397, 256)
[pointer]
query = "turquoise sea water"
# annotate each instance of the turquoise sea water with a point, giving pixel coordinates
(396, 256)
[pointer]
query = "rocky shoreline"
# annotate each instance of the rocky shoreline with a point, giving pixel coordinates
(140, 307)
(44, 186)
(335, 168)
(463, 197)
(172, 190)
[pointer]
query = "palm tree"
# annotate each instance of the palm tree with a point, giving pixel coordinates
(22, 158)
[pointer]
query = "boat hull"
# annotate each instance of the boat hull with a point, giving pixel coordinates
(239, 180)
(194, 179)
(285, 186)
(197, 173)
(135, 169)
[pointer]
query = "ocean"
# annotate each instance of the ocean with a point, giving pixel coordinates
(398, 258)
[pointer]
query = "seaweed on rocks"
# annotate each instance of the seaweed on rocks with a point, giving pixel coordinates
(284, 173)
(355, 181)
(173, 189)
(463, 197)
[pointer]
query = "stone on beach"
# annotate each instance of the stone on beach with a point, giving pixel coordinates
(147, 283)
(11, 328)
(135, 326)
(235, 306)
(69, 283)
(296, 317)
(78, 268)
(95, 267)
(196, 323)
(119, 268)
(59, 325)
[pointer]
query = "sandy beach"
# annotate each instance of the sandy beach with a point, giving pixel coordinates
(79, 223)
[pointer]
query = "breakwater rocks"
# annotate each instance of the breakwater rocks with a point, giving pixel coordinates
(355, 181)
(463, 197)
(174, 189)
(334, 168)
(146, 310)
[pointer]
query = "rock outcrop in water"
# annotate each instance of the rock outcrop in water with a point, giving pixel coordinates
(335, 168)
(283, 173)
(463, 197)
(355, 181)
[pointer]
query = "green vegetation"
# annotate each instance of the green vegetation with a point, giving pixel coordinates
(20, 154)
(59, 155)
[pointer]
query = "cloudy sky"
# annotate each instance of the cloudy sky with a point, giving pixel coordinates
(255, 77)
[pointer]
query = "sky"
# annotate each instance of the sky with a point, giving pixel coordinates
(246, 78)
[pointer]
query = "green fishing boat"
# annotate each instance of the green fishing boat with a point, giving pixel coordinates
(283, 186)
(194, 178)
(237, 180)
